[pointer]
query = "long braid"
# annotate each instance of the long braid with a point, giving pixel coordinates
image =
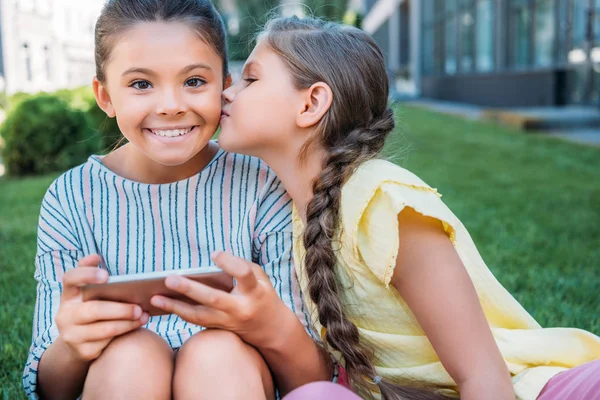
(322, 221)
(352, 131)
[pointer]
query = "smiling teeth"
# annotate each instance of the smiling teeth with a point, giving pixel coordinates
(171, 132)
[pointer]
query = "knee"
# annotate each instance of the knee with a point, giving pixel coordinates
(208, 356)
(212, 346)
(117, 370)
(138, 346)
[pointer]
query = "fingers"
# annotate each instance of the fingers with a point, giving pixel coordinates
(201, 293)
(104, 330)
(242, 270)
(95, 310)
(84, 275)
(196, 314)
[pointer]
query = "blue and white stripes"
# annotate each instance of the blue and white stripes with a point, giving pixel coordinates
(236, 204)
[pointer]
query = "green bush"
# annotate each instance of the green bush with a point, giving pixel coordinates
(45, 134)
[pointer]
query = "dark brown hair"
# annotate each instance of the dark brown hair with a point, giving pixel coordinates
(352, 131)
(120, 15)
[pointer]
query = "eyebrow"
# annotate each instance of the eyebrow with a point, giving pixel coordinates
(146, 71)
(192, 67)
(251, 64)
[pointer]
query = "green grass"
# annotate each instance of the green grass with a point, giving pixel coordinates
(529, 201)
(19, 209)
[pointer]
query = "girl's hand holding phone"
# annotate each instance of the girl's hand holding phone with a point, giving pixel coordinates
(252, 310)
(88, 327)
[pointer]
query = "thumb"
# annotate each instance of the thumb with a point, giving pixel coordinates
(238, 268)
(87, 272)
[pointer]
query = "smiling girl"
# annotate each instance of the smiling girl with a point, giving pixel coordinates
(165, 200)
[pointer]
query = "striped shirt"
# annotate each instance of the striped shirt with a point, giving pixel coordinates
(236, 203)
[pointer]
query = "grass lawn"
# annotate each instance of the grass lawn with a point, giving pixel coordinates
(530, 202)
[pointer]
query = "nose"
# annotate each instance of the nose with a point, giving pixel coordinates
(228, 94)
(172, 103)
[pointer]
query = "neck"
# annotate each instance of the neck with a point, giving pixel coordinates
(297, 176)
(130, 164)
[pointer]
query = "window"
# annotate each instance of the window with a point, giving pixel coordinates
(428, 50)
(544, 32)
(520, 29)
(467, 36)
(576, 53)
(433, 36)
(438, 45)
(485, 35)
(596, 23)
(450, 65)
(27, 61)
(47, 63)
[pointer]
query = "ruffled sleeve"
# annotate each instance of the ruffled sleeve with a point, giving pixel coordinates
(374, 197)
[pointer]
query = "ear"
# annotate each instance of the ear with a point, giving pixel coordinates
(317, 101)
(103, 98)
(227, 82)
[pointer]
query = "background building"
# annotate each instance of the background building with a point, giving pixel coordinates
(491, 52)
(47, 44)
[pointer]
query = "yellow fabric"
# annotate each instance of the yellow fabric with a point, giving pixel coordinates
(371, 200)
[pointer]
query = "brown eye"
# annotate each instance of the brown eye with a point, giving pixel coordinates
(141, 85)
(195, 82)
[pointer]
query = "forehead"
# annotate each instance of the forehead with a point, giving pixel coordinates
(264, 58)
(162, 46)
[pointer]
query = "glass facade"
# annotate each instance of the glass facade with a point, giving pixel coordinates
(485, 36)
(463, 37)
(466, 19)
(458, 35)
(544, 33)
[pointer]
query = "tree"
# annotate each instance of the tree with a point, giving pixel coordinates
(250, 17)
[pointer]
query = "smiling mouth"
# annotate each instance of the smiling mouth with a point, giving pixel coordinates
(171, 132)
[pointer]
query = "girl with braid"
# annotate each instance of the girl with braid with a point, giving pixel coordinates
(395, 284)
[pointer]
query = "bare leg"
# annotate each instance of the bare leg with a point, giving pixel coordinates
(137, 365)
(217, 364)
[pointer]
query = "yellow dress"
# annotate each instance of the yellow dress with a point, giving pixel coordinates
(371, 200)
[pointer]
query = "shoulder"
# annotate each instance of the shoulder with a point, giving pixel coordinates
(258, 177)
(69, 183)
(247, 171)
(378, 183)
(373, 173)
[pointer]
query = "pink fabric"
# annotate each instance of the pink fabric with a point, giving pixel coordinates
(343, 378)
(579, 383)
(321, 391)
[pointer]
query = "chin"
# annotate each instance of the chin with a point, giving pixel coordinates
(173, 160)
(225, 143)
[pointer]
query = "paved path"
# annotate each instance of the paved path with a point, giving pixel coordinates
(574, 123)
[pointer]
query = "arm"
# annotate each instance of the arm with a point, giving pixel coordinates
(85, 331)
(429, 274)
(292, 355)
(57, 364)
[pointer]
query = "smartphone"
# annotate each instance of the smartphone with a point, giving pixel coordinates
(139, 288)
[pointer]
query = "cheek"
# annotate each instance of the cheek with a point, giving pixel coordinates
(209, 107)
(131, 111)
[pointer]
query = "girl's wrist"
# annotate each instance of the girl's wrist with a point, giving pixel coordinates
(72, 354)
(284, 329)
